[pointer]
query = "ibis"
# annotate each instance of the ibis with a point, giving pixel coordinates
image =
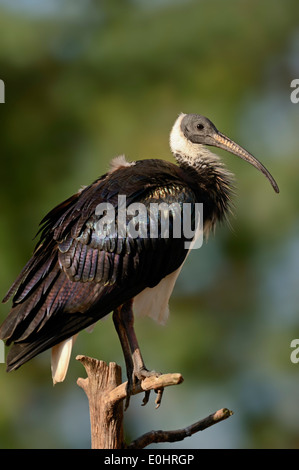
(84, 267)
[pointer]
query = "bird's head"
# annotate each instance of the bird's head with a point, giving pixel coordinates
(191, 132)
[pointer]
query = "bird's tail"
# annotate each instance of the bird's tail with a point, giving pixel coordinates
(55, 334)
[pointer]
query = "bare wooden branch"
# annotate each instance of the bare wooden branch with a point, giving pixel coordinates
(180, 434)
(149, 383)
(106, 393)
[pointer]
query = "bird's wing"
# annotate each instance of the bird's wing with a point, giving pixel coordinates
(76, 275)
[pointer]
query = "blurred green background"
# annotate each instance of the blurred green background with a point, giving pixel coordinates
(86, 81)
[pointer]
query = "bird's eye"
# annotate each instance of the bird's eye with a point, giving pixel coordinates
(200, 126)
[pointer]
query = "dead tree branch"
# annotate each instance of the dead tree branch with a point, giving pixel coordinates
(106, 418)
(106, 393)
(180, 434)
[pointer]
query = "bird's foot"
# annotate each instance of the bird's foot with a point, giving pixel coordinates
(138, 376)
(144, 373)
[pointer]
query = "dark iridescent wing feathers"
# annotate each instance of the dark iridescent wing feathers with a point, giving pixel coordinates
(76, 276)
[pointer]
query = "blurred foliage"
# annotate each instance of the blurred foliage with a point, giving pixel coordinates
(86, 81)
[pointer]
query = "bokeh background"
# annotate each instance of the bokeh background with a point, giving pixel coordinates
(86, 81)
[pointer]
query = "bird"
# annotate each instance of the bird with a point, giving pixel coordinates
(83, 268)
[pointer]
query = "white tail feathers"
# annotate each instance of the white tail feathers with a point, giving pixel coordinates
(61, 354)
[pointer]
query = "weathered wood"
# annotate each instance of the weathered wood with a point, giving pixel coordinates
(147, 384)
(180, 434)
(106, 394)
(106, 416)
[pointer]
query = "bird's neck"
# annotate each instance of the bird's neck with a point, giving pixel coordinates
(212, 181)
(204, 172)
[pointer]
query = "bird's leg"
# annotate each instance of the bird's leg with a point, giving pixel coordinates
(118, 323)
(127, 335)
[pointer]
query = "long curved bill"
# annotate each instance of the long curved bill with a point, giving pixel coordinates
(223, 142)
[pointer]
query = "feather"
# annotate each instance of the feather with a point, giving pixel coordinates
(93, 265)
(100, 266)
(60, 358)
(87, 265)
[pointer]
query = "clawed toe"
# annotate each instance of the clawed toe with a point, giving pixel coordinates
(143, 374)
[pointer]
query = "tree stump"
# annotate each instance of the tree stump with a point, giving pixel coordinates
(106, 415)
